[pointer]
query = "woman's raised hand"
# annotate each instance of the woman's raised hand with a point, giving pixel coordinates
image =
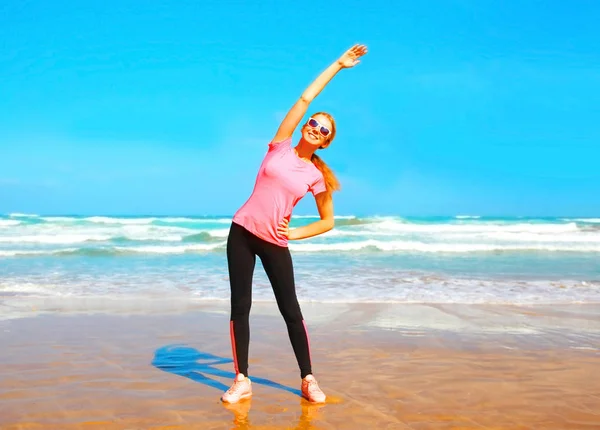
(350, 58)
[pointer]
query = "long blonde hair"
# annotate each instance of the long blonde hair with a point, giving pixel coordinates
(331, 182)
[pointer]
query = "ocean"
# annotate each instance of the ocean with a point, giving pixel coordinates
(459, 259)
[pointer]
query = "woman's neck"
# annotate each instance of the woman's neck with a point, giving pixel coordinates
(304, 150)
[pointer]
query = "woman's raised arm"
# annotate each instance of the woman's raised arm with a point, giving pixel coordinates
(350, 58)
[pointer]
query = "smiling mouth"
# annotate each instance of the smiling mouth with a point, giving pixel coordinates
(313, 135)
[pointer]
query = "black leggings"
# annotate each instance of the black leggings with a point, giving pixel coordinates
(242, 249)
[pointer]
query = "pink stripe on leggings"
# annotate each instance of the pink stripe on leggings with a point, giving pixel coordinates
(307, 339)
(232, 335)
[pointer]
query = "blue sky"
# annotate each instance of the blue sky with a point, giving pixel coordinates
(460, 107)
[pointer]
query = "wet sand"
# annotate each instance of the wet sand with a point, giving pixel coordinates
(383, 367)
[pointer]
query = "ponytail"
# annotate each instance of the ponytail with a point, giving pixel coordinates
(331, 182)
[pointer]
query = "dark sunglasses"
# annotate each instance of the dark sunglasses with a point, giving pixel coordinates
(314, 124)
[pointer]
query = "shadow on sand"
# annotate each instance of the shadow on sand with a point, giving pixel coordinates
(189, 362)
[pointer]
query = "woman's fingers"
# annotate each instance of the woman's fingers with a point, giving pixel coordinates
(359, 50)
(282, 228)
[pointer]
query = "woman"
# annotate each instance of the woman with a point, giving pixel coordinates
(260, 227)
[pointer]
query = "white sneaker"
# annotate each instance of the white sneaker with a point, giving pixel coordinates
(241, 389)
(311, 390)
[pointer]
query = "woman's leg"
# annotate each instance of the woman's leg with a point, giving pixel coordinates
(240, 261)
(277, 262)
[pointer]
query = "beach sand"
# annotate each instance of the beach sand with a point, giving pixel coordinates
(396, 366)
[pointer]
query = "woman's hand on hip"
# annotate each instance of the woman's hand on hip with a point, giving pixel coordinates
(283, 228)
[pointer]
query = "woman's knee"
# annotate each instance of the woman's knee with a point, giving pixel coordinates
(291, 313)
(240, 308)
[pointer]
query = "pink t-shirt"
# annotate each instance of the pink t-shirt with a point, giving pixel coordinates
(283, 179)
